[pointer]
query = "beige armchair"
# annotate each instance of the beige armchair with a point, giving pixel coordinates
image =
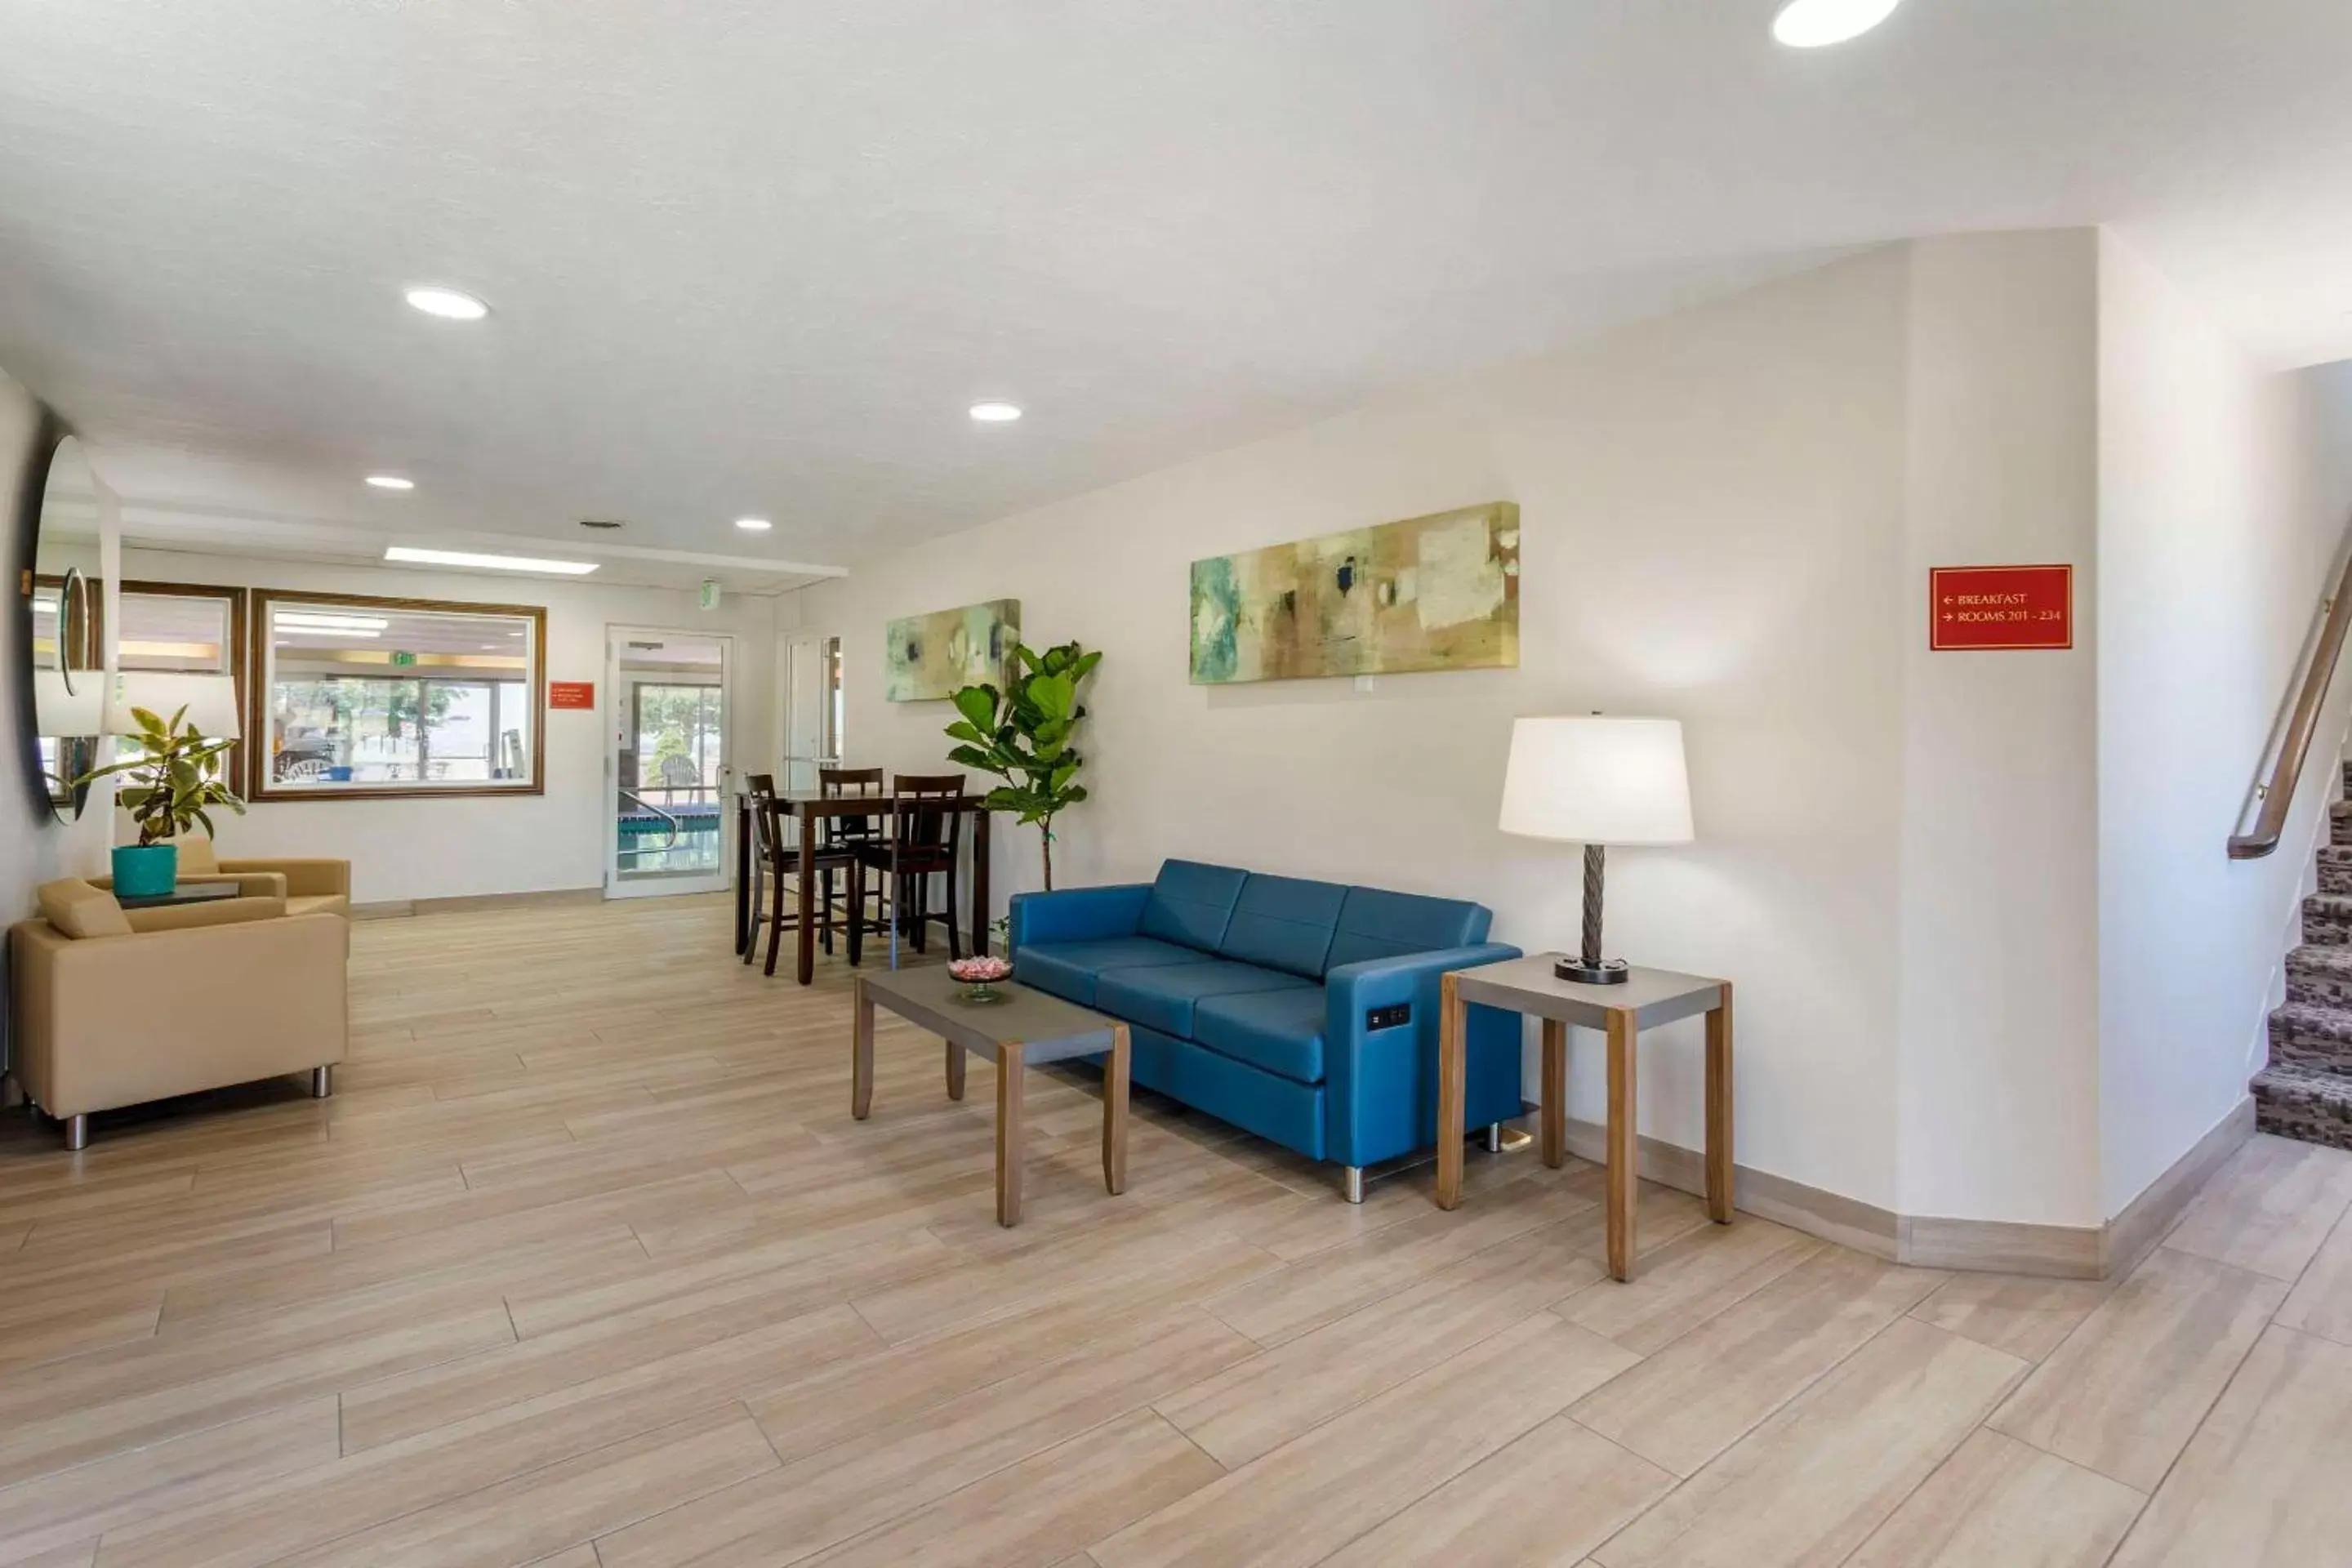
(114, 1007)
(311, 885)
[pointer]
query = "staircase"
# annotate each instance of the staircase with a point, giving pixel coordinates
(2306, 1092)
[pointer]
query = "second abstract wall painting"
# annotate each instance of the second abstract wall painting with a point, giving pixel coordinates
(927, 657)
(1430, 593)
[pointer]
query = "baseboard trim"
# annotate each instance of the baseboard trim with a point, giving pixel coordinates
(2133, 1233)
(401, 909)
(1928, 1241)
(1832, 1216)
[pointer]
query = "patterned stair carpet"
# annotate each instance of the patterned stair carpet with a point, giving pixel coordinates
(2306, 1092)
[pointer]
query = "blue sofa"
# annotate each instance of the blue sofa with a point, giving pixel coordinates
(1253, 998)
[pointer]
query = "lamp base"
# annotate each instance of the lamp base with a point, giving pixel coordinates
(1611, 972)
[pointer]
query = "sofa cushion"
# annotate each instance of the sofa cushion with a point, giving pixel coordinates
(1374, 923)
(1069, 969)
(1162, 998)
(78, 910)
(1281, 1031)
(1285, 923)
(1191, 903)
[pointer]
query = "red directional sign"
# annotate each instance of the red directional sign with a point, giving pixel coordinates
(1973, 607)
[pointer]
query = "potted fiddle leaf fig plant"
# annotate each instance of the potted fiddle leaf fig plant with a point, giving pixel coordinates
(169, 789)
(1021, 734)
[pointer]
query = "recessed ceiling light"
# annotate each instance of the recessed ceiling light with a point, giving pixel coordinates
(1813, 24)
(414, 556)
(995, 412)
(391, 482)
(451, 303)
(753, 524)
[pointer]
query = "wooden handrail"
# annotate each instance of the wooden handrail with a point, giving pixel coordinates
(2286, 773)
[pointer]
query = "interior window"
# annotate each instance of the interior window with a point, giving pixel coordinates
(377, 697)
(184, 629)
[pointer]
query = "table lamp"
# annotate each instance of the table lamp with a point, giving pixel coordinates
(210, 700)
(1597, 781)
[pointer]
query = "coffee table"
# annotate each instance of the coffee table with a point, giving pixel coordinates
(1024, 1028)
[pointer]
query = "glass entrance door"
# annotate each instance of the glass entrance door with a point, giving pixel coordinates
(670, 826)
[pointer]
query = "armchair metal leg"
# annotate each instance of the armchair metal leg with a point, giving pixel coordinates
(1494, 1139)
(77, 1133)
(1351, 1183)
(322, 1082)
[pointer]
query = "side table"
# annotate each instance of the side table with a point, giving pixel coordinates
(1646, 998)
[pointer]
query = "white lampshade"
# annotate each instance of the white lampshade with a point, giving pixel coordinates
(1597, 780)
(210, 700)
(58, 713)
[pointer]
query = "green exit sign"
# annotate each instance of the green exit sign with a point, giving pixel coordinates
(402, 658)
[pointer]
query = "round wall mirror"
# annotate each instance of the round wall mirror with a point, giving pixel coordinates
(67, 660)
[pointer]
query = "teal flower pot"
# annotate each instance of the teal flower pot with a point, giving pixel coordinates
(146, 870)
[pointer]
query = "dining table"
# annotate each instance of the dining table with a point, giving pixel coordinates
(808, 808)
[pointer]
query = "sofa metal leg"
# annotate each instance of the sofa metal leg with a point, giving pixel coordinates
(1351, 1183)
(322, 1082)
(1494, 1137)
(77, 1133)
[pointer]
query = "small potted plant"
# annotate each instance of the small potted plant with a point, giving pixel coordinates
(167, 789)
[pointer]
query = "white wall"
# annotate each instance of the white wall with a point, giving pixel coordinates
(2224, 495)
(421, 848)
(1999, 1115)
(1712, 509)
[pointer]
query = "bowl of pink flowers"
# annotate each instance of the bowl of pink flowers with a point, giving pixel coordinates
(980, 977)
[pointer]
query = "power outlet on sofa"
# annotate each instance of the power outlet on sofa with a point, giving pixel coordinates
(1388, 1017)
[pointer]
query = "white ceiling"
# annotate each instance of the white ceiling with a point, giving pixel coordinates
(757, 256)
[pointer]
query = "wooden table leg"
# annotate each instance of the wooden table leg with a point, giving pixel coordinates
(1115, 1075)
(1625, 1184)
(955, 1067)
(861, 1051)
(807, 933)
(1719, 1165)
(1009, 1134)
(1554, 1115)
(1452, 1068)
(746, 897)
(980, 884)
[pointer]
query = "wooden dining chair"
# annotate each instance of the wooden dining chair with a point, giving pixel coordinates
(768, 866)
(927, 822)
(838, 841)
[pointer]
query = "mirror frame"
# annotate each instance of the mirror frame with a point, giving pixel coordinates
(50, 433)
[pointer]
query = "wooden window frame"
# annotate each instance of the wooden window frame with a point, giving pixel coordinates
(263, 600)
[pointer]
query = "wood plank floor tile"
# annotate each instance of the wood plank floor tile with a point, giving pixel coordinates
(2123, 1393)
(78, 1505)
(1271, 1398)
(2321, 1301)
(2001, 1503)
(1812, 1482)
(854, 1486)
(1034, 1514)
(2022, 1314)
(1689, 1280)
(2268, 1209)
(1314, 1495)
(1547, 1499)
(535, 1514)
(1700, 1394)
(28, 1338)
(2268, 1478)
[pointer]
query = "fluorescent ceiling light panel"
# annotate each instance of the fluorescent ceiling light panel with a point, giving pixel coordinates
(487, 563)
(995, 412)
(753, 524)
(322, 621)
(1815, 24)
(391, 482)
(450, 304)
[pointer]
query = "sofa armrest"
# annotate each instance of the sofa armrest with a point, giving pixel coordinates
(305, 879)
(1381, 1084)
(213, 912)
(249, 884)
(1075, 914)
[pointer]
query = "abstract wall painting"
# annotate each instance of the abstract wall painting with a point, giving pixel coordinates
(927, 657)
(1430, 593)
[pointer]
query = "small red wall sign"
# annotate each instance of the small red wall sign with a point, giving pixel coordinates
(572, 694)
(2001, 606)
